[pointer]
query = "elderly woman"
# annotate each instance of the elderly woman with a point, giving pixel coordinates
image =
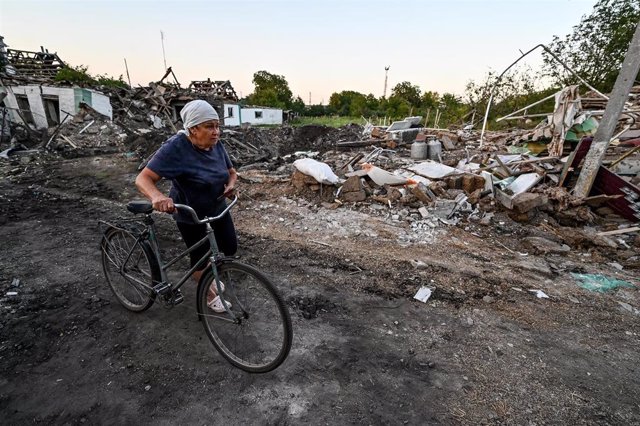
(201, 173)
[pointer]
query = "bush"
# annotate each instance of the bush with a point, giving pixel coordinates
(80, 76)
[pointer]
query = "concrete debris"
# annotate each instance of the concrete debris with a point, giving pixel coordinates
(416, 176)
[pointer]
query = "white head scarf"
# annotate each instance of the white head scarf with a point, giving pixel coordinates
(196, 112)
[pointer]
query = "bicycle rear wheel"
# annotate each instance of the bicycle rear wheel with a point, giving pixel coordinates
(260, 339)
(130, 268)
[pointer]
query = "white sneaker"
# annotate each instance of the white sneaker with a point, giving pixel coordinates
(216, 305)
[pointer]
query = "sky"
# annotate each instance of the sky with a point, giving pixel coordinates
(320, 47)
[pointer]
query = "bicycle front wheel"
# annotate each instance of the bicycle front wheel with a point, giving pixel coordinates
(259, 339)
(130, 268)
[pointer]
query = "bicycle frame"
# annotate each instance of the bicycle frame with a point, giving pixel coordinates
(213, 255)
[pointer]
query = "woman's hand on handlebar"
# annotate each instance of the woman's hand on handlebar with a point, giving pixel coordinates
(229, 190)
(163, 204)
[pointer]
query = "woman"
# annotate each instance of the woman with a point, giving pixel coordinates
(201, 173)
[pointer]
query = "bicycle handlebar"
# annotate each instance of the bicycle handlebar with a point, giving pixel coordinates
(194, 216)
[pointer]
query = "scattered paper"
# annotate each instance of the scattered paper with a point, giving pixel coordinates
(423, 294)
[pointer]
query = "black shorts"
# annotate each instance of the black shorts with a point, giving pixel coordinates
(225, 234)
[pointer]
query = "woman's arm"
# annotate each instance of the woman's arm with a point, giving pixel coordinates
(146, 183)
(229, 188)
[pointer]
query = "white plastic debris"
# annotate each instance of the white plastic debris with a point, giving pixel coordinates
(432, 169)
(316, 169)
(12, 293)
(540, 294)
(383, 177)
(423, 294)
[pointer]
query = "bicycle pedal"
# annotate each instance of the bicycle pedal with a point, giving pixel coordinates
(162, 288)
(177, 298)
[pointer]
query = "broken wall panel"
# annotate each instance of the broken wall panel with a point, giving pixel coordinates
(627, 206)
(606, 183)
(66, 99)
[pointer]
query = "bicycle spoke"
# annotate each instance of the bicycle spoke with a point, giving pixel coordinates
(260, 339)
(128, 270)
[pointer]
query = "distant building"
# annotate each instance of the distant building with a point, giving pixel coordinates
(236, 115)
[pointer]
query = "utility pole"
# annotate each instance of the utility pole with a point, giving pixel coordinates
(309, 98)
(163, 55)
(386, 75)
(127, 68)
(617, 99)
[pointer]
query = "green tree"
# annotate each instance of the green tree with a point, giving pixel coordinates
(348, 103)
(408, 92)
(270, 90)
(452, 110)
(429, 100)
(75, 75)
(518, 88)
(318, 110)
(80, 76)
(596, 47)
(298, 105)
(373, 104)
(396, 107)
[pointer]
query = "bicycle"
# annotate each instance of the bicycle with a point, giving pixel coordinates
(254, 334)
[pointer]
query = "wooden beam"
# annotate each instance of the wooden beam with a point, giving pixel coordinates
(621, 231)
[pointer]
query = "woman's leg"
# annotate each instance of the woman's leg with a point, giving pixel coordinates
(191, 234)
(225, 233)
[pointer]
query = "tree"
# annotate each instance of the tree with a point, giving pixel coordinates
(270, 90)
(349, 103)
(298, 105)
(80, 75)
(408, 92)
(452, 109)
(596, 47)
(429, 100)
(518, 88)
(396, 107)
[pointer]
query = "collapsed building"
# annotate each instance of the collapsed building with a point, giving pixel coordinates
(417, 177)
(40, 106)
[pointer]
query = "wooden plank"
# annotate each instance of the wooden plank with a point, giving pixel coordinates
(620, 231)
(573, 162)
(68, 140)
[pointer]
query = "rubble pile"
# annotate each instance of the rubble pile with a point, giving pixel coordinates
(444, 177)
(420, 177)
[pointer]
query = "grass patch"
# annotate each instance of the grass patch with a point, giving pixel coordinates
(330, 121)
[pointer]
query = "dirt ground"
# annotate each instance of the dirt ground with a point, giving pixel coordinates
(483, 350)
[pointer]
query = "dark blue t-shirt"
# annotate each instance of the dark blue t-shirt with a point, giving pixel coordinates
(197, 176)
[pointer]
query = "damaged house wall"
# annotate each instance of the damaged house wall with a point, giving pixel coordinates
(235, 115)
(48, 106)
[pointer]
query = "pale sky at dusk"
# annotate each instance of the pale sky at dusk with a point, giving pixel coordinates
(318, 46)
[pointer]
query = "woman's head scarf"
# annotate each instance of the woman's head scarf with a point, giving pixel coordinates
(196, 112)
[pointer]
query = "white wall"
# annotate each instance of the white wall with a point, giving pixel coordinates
(101, 103)
(35, 103)
(232, 119)
(67, 97)
(248, 115)
(269, 116)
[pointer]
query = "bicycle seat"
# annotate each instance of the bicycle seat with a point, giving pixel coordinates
(140, 206)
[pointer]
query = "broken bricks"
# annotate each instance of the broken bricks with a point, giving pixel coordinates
(352, 190)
